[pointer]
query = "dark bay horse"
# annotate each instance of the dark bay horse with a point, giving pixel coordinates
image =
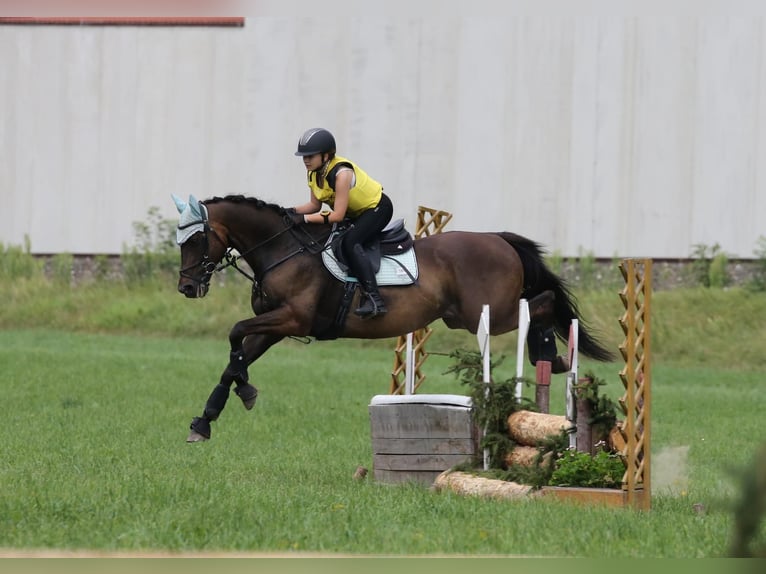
(295, 295)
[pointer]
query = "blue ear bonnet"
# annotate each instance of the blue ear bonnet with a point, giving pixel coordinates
(192, 220)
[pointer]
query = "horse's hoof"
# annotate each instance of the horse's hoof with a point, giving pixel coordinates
(560, 365)
(194, 436)
(200, 430)
(248, 393)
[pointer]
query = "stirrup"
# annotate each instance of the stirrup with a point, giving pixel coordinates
(370, 314)
(370, 308)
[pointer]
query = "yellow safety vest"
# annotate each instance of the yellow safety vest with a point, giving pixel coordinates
(364, 195)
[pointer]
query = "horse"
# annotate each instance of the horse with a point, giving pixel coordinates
(294, 294)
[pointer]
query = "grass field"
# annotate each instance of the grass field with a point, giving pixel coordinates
(94, 454)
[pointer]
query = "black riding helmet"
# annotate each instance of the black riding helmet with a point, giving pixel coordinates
(316, 140)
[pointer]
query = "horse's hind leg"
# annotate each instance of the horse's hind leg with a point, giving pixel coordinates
(542, 310)
(541, 339)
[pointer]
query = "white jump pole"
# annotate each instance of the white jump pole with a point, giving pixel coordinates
(574, 331)
(523, 330)
(482, 336)
(409, 368)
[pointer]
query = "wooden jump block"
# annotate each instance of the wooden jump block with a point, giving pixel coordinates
(417, 437)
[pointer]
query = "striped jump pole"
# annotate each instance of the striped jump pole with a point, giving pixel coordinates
(523, 331)
(572, 381)
(482, 337)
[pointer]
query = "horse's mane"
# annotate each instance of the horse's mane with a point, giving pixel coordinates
(253, 201)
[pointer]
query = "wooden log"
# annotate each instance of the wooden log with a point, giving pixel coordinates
(522, 456)
(468, 484)
(530, 428)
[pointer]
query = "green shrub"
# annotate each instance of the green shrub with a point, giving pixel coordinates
(101, 267)
(718, 274)
(709, 266)
(700, 265)
(17, 262)
(603, 410)
(574, 468)
(586, 269)
(758, 281)
(61, 265)
(154, 252)
(492, 403)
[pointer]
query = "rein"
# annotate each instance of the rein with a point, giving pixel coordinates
(231, 259)
(307, 244)
(310, 244)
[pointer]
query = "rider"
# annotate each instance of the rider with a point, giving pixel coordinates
(351, 194)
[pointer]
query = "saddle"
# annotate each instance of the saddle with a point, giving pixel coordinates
(392, 255)
(394, 239)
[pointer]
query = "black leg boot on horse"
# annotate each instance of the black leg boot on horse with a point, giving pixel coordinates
(372, 303)
(235, 372)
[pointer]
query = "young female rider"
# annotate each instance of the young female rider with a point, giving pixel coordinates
(351, 194)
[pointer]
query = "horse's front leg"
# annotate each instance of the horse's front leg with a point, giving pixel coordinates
(249, 339)
(236, 372)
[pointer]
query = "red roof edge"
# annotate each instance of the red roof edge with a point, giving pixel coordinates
(125, 21)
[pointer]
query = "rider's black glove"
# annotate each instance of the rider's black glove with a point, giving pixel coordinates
(296, 218)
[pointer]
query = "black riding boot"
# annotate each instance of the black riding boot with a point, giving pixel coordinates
(372, 304)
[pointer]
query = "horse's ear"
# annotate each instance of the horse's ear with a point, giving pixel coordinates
(195, 206)
(180, 203)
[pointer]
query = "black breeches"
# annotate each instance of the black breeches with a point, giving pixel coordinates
(367, 226)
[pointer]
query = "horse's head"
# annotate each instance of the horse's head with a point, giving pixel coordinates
(201, 248)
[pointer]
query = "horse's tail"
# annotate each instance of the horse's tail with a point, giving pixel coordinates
(538, 278)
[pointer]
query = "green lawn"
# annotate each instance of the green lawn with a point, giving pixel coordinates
(94, 456)
(101, 381)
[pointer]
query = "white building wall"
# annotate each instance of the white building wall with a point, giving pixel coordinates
(610, 136)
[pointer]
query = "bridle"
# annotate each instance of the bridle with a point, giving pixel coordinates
(209, 267)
